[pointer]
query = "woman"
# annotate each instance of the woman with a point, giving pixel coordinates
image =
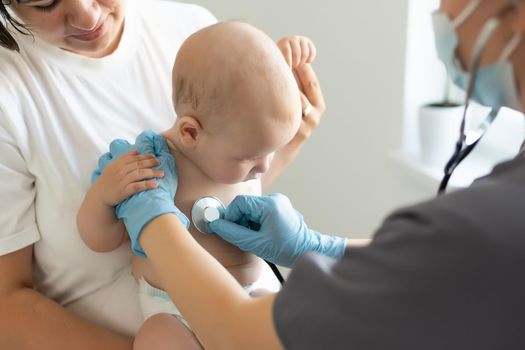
(445, 274)
(74, 75)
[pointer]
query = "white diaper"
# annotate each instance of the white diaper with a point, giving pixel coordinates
(155, 301)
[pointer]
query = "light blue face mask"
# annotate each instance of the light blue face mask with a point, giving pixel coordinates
(495, 84)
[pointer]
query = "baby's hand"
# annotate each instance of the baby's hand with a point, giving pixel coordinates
(127, 175)
(297, 50)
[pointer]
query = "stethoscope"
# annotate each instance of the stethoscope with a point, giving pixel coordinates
(207, 209)
(467, 141)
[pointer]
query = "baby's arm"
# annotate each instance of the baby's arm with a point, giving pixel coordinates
(97, 224)
(299, 52)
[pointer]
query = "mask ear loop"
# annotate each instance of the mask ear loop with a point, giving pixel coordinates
(511, 47)
(466, 13)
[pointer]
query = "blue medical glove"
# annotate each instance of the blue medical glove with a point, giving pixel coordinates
(142, 207)
(116, 149)
(137, 210)
(269, 227)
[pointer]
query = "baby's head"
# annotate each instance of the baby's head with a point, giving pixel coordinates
(236, 100)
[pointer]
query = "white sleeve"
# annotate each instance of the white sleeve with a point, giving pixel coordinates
(18, 227)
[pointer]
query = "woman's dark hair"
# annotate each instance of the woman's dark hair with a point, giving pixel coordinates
(6, 20)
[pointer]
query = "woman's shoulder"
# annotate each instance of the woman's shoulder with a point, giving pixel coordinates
(10, 62)
(17, 75)
(15, 65)
(12, 70)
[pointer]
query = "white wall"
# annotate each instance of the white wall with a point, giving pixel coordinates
(423, 67)
(343, 181)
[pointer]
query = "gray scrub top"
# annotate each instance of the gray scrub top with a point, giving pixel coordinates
(444, 274)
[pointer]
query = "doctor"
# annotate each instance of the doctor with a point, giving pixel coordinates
(444, 274)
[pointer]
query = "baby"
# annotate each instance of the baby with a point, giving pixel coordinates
(237, 103)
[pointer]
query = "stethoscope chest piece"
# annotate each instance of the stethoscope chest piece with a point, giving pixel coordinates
(206, 210)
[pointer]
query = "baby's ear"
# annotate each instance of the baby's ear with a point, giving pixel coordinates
(189, 130)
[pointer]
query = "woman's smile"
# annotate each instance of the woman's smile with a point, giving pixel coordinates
(96, 33)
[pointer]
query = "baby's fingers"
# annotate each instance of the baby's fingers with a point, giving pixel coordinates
(297, 50)
(137, 158)
(124, 159)
(312, 51)
(295, 44)
(143, 174)
(141, 162)
(305, 50)
(291, 50)
(286, 50)
(139, 186)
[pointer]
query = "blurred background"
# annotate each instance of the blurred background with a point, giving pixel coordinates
(376, 64)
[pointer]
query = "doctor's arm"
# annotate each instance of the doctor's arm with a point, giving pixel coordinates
(218, 309)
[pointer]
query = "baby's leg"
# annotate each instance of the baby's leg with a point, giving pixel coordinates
(165, 331)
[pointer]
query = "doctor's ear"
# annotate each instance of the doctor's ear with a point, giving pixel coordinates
(189, 130)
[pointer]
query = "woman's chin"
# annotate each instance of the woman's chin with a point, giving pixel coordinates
(100, 46)
(95, 49)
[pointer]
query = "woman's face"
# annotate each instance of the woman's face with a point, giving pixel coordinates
(87, 27)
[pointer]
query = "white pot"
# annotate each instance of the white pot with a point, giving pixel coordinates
(438, 133)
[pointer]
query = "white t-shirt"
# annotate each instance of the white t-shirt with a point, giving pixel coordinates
(58, 113)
